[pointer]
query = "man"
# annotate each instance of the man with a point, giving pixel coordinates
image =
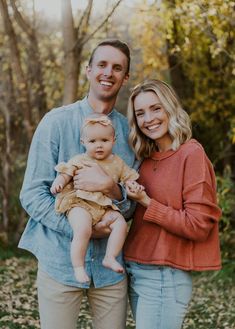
(47, 234)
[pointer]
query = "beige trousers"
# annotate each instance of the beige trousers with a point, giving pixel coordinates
(59, 304)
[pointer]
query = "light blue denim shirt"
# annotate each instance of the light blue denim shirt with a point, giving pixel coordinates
(48, 235)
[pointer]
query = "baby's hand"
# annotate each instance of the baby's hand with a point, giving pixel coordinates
(133, 187)
(56, 188)
(137, 193)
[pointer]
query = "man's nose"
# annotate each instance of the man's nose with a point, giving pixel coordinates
(108, 70)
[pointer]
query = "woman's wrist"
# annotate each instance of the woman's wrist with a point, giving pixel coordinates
(145, 201)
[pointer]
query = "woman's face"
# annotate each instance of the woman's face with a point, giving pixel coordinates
(152, 119)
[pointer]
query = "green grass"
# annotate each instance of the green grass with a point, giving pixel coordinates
(212, 306)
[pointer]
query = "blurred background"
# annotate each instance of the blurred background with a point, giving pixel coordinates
(44, 49)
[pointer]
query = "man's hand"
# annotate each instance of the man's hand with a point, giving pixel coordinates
(93, 178)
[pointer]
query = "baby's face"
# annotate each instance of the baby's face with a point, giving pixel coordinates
(98, 141)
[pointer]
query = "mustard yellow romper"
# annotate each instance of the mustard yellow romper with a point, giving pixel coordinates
(96, 203)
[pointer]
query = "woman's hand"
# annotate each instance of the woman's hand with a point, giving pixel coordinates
(137, 193)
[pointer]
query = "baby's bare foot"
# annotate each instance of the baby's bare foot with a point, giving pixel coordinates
(80, 274)
(110, 262)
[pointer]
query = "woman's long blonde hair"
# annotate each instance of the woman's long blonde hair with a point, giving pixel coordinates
(179, 121)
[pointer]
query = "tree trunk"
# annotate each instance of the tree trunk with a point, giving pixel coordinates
(70, 60)
(6, 85)
(6, 169)
(38, 96)
(24, 98)
(178, 79)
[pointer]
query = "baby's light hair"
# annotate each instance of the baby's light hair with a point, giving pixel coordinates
(97, 118)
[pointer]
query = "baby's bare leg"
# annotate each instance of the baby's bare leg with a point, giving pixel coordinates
(115, 242)
(81, 223)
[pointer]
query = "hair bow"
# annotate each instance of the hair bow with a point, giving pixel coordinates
(103, 120)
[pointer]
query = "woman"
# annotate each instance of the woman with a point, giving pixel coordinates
(175, 226)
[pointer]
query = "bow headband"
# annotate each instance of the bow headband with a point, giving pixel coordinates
(103, 120)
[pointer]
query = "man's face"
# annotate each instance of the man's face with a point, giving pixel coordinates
(107, 73)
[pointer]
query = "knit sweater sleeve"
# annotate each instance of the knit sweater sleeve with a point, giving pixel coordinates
(199, 211)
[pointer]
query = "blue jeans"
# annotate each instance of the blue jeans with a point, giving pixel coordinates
(159, 295)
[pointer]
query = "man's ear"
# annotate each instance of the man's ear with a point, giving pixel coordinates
(125, 79)
(88, 70)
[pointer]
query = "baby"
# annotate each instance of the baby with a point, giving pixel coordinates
(84, 208)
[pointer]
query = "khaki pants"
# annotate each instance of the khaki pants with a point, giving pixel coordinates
(59, 304)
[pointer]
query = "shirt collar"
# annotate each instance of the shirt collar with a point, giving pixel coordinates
(86, 107)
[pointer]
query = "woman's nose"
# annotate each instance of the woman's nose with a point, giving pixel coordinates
(148, 117)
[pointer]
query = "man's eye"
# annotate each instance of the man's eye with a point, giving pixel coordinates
(118, 68)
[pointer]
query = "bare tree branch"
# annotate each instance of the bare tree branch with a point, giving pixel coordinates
(85, 40)
(21, 20)
(35, 66)
(86, 14)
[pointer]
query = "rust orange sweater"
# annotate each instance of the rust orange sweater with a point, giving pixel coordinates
(180, 226)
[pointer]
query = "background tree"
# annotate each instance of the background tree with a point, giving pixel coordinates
(74, 40)
(188, 44)
(35, 76)
(191, 44)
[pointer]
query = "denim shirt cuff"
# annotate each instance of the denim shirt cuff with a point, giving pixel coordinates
(118, 203)
(123, 204)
